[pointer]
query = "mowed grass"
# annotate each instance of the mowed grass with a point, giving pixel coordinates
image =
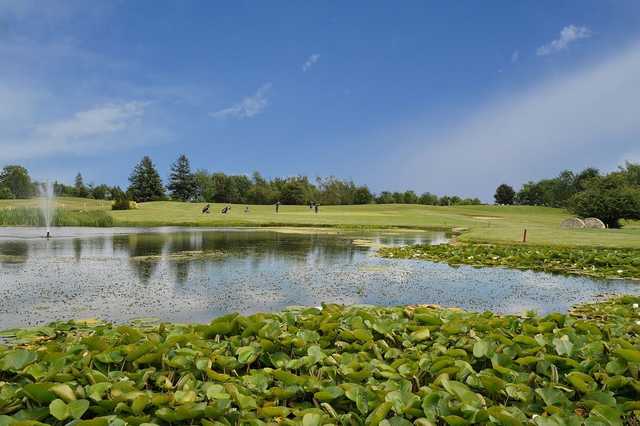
(495, 224)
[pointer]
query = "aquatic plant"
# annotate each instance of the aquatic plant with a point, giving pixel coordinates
(596, 262)
(337, 365)
(26, 216)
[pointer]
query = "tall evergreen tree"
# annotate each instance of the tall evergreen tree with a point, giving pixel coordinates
(80, 189)
(145, 183)
(182, 182)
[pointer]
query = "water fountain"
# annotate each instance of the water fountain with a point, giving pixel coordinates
(47, 196)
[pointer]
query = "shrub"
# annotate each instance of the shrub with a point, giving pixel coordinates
(121, 204)
(5, 193)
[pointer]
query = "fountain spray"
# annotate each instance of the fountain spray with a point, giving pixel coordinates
(47, 196)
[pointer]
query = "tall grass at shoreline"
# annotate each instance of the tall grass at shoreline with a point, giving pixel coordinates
(29, 216)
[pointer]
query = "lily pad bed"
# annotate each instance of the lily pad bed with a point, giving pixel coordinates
(593, 262)
(180, 256)
(356, 365)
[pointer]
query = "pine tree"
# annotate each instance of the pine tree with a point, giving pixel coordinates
(182, 182)
(80, 189)
(145, 183)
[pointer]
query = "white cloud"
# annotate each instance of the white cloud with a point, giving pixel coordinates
(93, 122)
(84, 133)
(248, 107)
(568, 35)
(310, 62)
(515, 56)
(587, 117)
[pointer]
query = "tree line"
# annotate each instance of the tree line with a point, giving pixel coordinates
(145, 184)
(609, 197)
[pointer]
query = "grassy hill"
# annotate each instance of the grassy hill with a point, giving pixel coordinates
(481, 223)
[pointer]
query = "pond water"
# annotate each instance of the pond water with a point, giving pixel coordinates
(193, 275)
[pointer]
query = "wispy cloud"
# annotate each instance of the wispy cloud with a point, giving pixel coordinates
(310, 62)
(94, 122)
(515, 56)
(586, 117)
(568, 35)
(247, 107)
(85, 132)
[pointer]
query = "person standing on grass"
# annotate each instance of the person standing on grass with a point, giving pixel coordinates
(277, 206)
(316, 207)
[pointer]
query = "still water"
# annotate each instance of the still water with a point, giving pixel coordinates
(194, 274)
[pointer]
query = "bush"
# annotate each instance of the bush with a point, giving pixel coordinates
(5, 193)
(121, 204)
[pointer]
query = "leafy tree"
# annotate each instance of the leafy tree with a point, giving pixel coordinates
(409, 197)
(79, 189)
(470, 202)
(445, 200)
(17, 180)
(504, 194)
(145, 183)
(261, 191)
(182, 183)
(362, 195)
(101, 192)
(531, 194)
(610, 199)
(241, 185)
(385, 197)
(223, 188)
(205, 190)
(296, 190)
(428, 199)
(581, 180)
(117, 193)
(398, 197)
(631, 172)
(62, 189)
(334, 191)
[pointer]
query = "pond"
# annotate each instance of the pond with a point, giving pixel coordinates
(195, 274)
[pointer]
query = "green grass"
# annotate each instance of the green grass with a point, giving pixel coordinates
(31, 216)
(339, 365)
(503, 224)
(495, 224)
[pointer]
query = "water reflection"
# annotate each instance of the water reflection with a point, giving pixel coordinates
(196, 274)
(14, 252)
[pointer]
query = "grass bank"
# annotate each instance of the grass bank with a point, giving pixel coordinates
(493, 224)
(339, 365)
(29, 216)
(593, 262)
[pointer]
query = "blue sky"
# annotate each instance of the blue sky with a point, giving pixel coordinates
(447, 97)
